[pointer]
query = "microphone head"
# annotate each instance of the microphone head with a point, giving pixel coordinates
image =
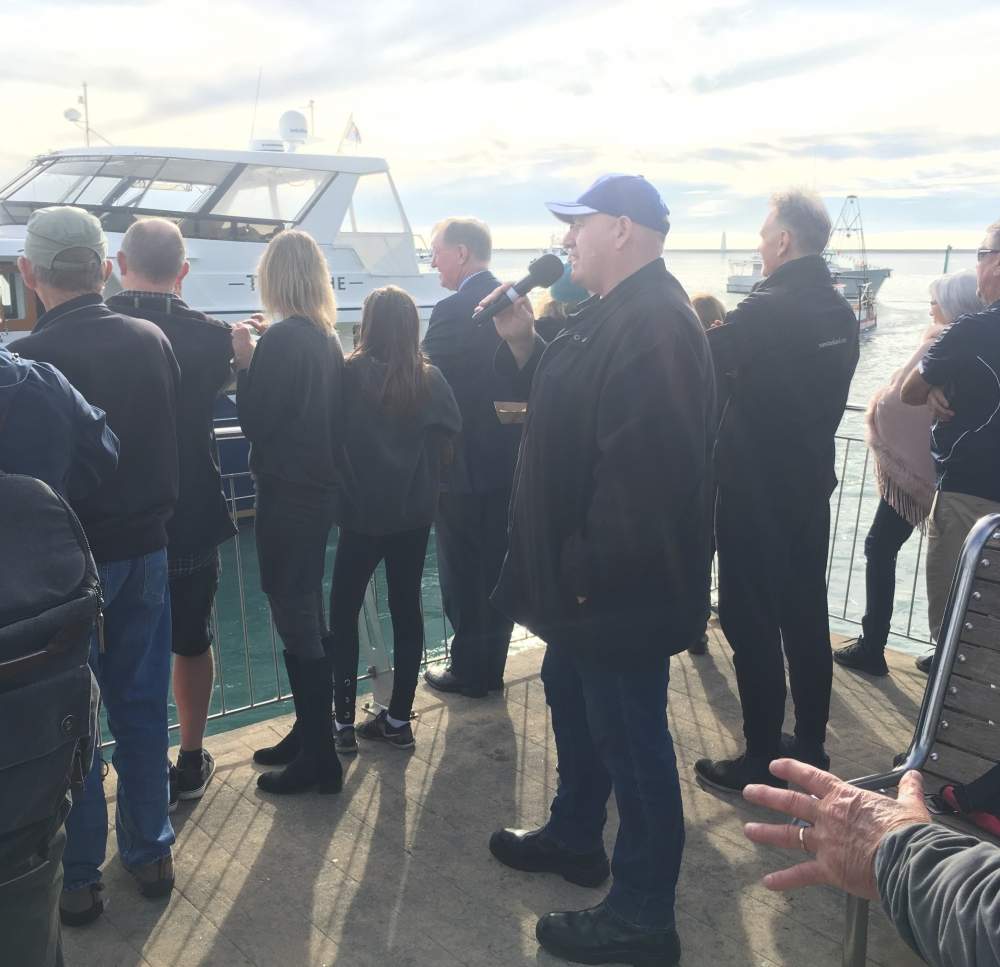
(546, 270)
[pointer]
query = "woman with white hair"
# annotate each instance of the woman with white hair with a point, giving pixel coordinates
(899, 438)
(289, 402)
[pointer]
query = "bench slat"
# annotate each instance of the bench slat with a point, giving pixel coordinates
(974, 698)
(985, 597)
(954, 765)
(978, 664)
(970, 734)
(981, 629)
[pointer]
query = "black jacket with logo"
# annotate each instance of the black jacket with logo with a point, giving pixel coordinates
(203, 348)
(785, 359)
(611, 495)
(127, 368)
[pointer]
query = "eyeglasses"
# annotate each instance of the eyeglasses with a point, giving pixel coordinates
(983, 252)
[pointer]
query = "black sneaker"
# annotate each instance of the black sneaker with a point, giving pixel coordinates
(193, 779)
(532, 851)
(600, 936)
(859, 658)
(346, 740)
(792, 748)
(172, 796)
(699, 647)
(732, 775)
(379, 728)
(925, 663)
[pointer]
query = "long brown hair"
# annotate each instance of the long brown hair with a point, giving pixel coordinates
(390, 333)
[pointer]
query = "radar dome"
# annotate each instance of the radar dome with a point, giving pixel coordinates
(293, 127)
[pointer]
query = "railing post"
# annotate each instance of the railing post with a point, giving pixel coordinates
(856, 932)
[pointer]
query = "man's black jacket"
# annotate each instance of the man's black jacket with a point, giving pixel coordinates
(127, 368)
(486, 449)
(611, 494)
(785, 357)
(203, 348)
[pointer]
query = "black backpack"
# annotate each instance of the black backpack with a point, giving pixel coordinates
(50, 599)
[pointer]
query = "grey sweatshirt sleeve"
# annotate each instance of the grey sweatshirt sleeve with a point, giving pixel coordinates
(941, 890)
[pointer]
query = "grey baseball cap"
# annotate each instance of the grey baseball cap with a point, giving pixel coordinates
(53, 231)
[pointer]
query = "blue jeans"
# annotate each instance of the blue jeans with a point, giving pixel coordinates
(134, 675)
(610, 723)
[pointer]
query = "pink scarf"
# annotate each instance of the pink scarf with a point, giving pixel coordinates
(899, 437)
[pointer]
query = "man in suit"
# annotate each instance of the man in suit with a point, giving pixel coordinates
(471, 525)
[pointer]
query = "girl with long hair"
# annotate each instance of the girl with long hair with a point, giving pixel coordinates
(399, 417)
(290, 402)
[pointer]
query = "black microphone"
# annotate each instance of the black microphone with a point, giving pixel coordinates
(544, 271)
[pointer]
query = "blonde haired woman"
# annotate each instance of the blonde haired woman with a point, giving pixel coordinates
(289, 402)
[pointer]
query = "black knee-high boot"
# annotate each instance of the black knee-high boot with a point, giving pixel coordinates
(288, 748)
(316, 765)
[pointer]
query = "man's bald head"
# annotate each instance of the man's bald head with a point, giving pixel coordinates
(153, 251)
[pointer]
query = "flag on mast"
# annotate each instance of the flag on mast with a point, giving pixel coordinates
(351, 134)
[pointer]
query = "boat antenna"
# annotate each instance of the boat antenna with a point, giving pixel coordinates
(849, 223)
(256, 100)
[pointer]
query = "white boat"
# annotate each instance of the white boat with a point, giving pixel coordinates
(744, 274)
(228, 205)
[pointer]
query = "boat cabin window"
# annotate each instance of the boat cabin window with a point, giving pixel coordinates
(58, 183)
(18, 305)
(271, 193)
(374, 207)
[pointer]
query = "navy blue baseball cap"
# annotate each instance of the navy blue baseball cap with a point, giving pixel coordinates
(629, 195)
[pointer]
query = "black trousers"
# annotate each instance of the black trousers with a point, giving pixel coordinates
(772, 597)
(357, 557)
(888, 533)
(471, 543)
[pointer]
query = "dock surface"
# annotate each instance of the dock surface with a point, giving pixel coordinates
(395, 871)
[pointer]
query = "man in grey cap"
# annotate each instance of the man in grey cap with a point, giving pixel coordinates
(608, 563)
(126, 367)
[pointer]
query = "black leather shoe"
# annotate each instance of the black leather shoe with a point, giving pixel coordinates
(532, 851)
(925, 663)
(732, 775)
(600, 936)
(812, 755)
(447, 681)
(699, 647)
(859, 657)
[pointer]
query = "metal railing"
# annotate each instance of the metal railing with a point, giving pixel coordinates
(852, 509)
(250, 676)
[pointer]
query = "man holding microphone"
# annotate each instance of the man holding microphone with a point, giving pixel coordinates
(608, 562)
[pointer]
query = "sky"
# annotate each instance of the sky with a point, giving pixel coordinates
(490, 109)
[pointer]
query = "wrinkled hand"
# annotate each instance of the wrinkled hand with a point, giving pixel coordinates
(847, 826)
(516, 325)
(242, 345)
(939, 404)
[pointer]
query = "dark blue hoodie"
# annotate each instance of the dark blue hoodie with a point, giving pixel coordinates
(49, 431)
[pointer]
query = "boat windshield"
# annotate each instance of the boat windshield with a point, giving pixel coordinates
(208, 199)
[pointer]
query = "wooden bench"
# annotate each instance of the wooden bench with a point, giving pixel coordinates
(957, 735)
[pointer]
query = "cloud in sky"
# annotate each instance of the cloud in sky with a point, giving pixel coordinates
(492, 108)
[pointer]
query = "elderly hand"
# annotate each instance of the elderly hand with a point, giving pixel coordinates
(516, 325)
(243, 345)
(939, 404)
(847, 826)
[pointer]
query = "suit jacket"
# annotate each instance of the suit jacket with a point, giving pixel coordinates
(486, 449)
